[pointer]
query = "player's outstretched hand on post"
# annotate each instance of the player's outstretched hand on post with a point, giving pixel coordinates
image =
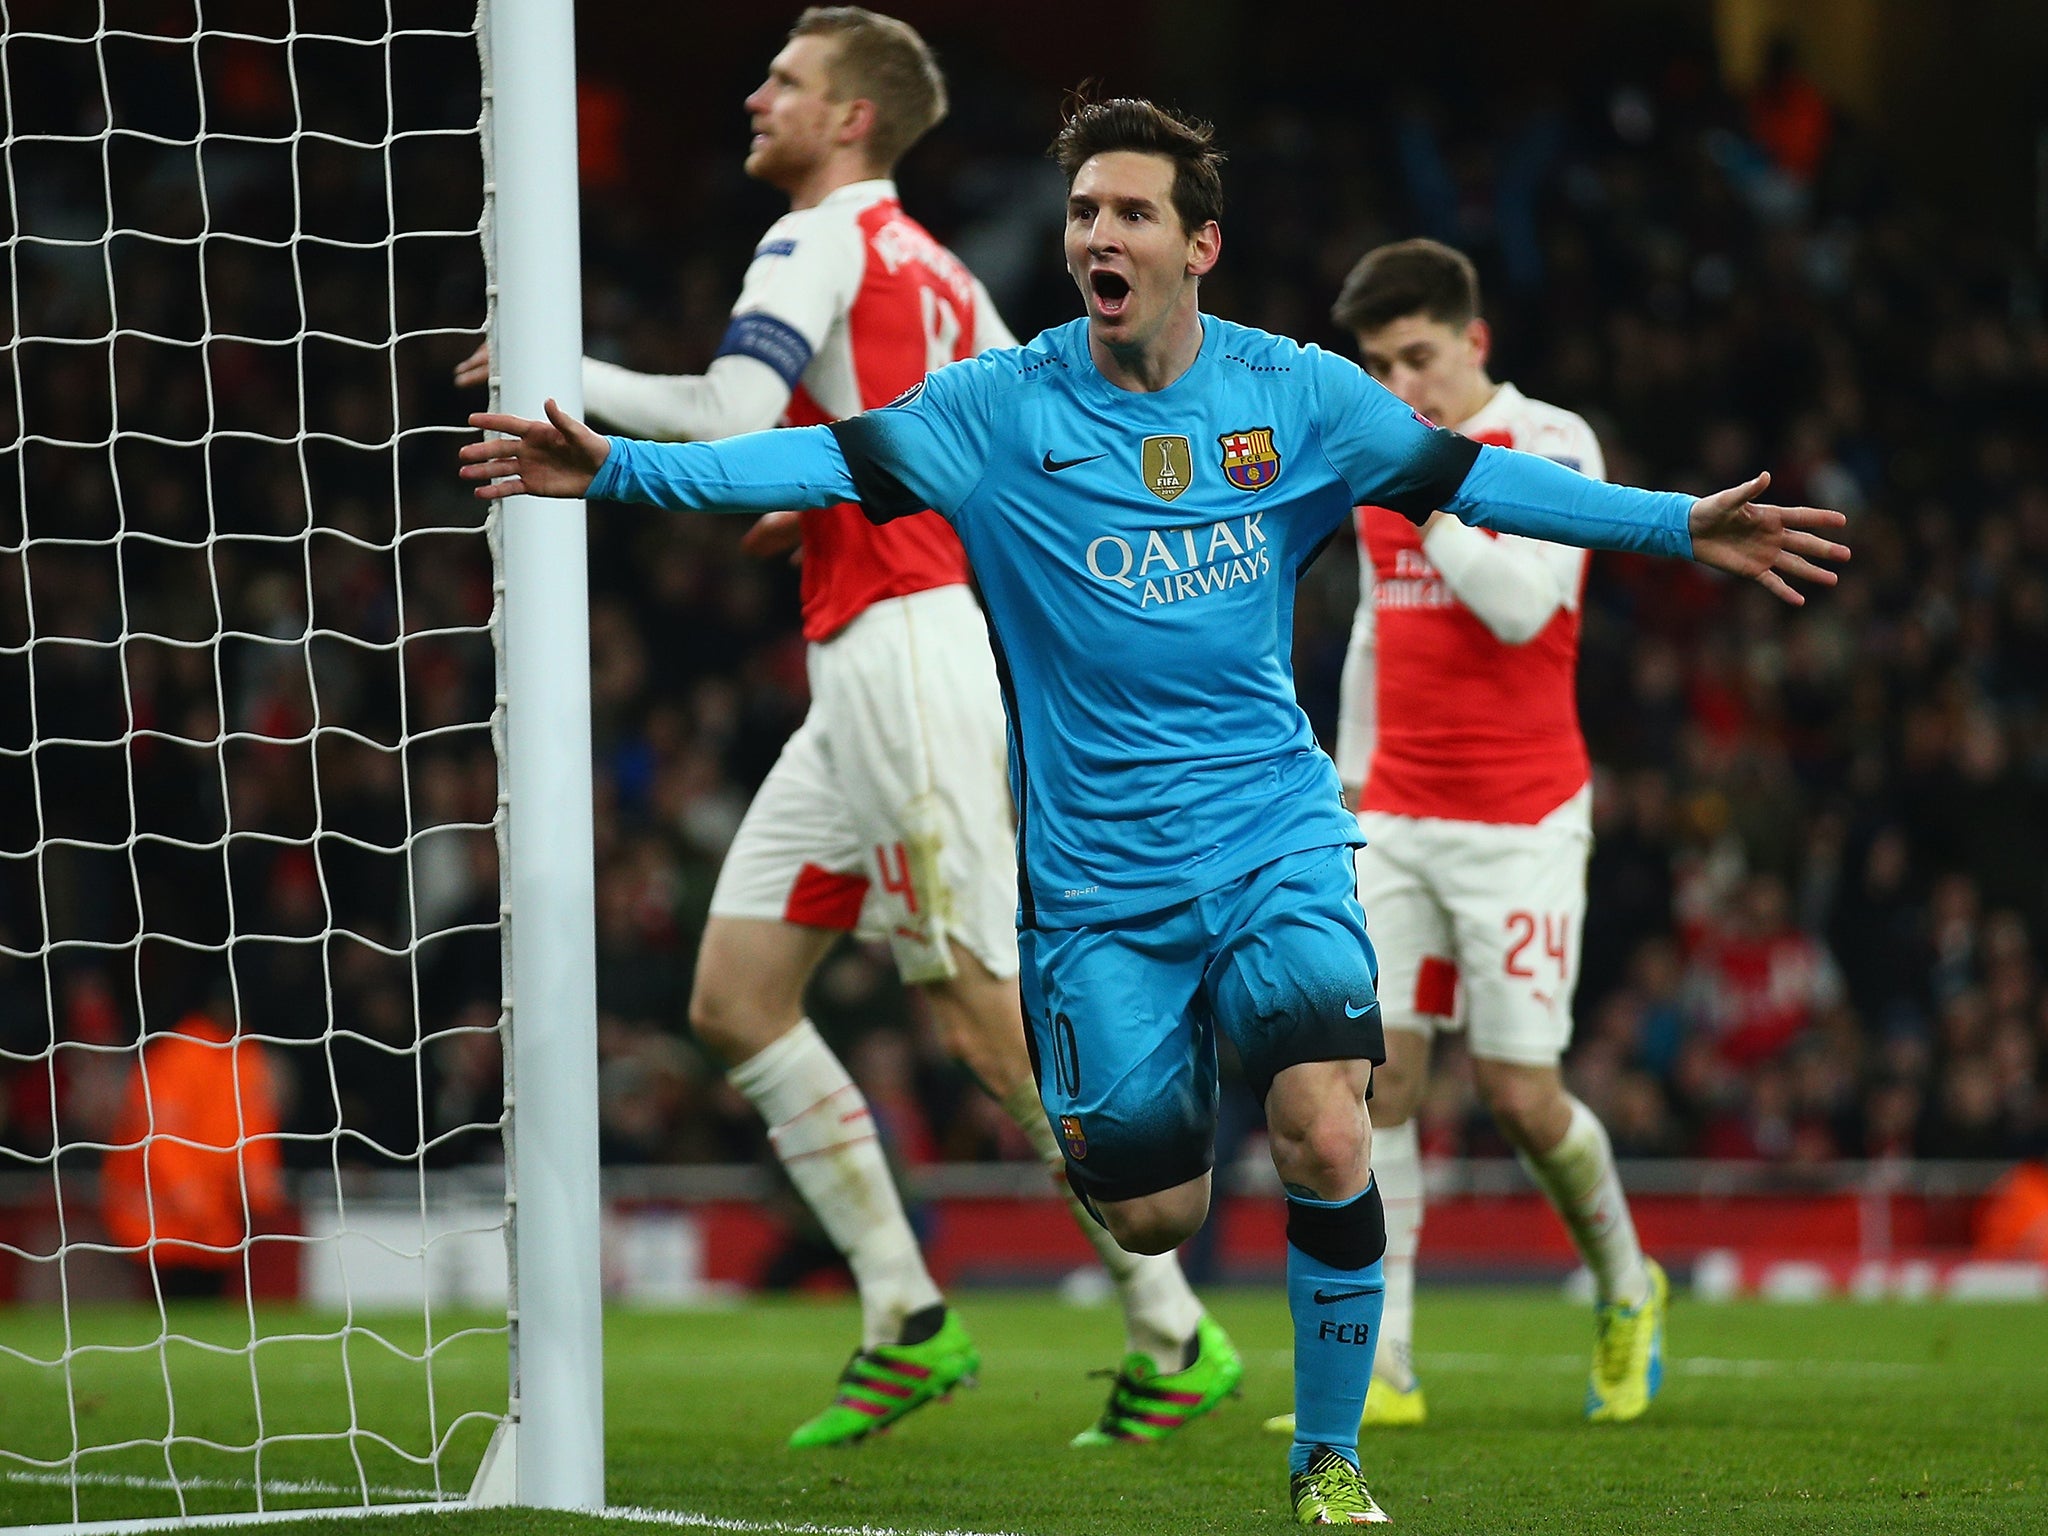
(475, 368)
(1733, 532)
(556, 457)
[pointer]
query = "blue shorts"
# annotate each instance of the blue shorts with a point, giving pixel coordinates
(1122, 1019)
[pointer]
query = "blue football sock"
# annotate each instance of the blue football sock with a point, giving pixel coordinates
(1336, 1291)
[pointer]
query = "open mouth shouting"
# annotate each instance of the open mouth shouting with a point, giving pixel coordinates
(1112, 292)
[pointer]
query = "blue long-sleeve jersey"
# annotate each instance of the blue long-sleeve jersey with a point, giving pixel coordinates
(1138, 555)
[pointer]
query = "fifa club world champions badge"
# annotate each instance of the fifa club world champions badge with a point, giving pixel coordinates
(1250, 461)
(1168, 465)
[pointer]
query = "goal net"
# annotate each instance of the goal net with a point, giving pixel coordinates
(255, 986)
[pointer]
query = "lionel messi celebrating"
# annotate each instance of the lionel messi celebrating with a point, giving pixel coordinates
(1137, 492)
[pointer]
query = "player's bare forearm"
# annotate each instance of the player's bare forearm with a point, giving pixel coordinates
(1734, 532)
(776, 533)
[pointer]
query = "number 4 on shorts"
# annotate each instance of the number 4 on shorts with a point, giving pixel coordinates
(896, 879)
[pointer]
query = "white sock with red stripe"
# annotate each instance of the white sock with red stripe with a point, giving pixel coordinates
(1397, 1168)
(1579, 1176)
(820, 1126)
(1160, 1311)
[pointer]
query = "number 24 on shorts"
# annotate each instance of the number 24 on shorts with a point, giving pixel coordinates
(1523, 928)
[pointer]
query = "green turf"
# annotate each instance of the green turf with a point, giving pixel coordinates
(204, 1389)
(1825, 1418)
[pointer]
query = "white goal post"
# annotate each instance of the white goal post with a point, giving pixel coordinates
(219, 488)
(537, 345)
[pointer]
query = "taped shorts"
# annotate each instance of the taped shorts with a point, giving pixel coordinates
(888, 812)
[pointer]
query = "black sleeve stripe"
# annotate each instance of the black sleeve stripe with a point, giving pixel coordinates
(1432, 477)
(882, 494)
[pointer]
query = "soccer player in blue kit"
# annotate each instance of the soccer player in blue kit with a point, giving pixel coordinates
(1137, 492)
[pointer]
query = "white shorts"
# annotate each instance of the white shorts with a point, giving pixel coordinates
(888, 812)
(1477, 926)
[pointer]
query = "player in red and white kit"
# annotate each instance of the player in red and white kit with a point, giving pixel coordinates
(1459, 744)
(888, 812)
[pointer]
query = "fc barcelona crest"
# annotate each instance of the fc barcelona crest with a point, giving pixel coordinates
(1071, 1133)
(1167, 464)
(1250, 461)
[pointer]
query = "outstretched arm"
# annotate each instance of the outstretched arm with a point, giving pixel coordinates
(798, 286)
(736, 394)
(1390, 457)
(1522, 493)
(757, 472)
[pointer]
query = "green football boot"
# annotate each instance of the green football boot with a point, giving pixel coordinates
(1332, 1492)
(880, 1385)
(1146, 1405)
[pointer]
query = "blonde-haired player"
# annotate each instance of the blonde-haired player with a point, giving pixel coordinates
(888, 812)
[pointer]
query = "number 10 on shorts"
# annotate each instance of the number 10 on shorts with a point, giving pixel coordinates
(1523, 929)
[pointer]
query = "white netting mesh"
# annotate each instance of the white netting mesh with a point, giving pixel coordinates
(250, 1017)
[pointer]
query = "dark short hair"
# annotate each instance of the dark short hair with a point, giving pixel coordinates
(1409, 277)
(884, 61)
(1092, 128)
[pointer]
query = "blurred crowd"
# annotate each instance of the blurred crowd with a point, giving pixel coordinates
(246, 675)
(1821, 880)
(1820, 890)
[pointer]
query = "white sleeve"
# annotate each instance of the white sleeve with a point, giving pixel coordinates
(804, 275)
(1358, 692)
(989, 331)
(736, 394)
(1513, 585)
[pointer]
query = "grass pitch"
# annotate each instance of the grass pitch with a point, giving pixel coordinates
(1829, 1418)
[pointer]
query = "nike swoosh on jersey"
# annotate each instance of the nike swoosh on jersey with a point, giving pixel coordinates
(1324, 1298)
(1356, 1013)
(1053, 466)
